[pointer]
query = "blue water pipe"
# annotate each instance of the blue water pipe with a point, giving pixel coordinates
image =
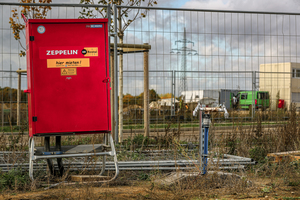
(204, 124)
(205, 149)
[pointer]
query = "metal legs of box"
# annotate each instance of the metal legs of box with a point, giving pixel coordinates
(59, 154)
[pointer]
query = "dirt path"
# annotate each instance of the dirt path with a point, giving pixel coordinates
(84, 192)
(262, 189)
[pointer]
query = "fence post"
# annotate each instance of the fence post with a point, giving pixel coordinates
(201, 140)
(3, 113)
(174, 85)
(146, 93)
(115, 74)
(112, 94)
(10, 97)
(18, 98)
(172, 97)
(253, 93)
(111, 67)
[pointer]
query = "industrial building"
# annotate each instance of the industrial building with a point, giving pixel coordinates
(208, 97)
(282, 81)
(162, 103)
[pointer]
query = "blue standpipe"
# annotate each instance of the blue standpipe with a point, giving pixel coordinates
(205, 120)
(205, 149)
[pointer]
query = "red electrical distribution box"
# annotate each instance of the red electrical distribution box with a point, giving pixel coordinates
(68, 76)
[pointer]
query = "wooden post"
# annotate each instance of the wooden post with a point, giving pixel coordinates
(2, 114)
(19, 71)
(18, 98)
(146, 94)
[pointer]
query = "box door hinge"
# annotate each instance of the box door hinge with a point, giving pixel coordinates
(34, 119)
(31, 38)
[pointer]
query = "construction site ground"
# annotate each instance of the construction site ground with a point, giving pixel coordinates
(126, 188)
(266, 182)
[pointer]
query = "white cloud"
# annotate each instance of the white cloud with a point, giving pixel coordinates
(245, 5)
(225, 42)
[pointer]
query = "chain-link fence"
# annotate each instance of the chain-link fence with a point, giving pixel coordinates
(246, 60)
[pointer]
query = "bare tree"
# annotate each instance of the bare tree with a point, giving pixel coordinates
(125, 18)
(31, 12)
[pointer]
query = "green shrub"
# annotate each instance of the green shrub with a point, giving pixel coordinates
(258, 153)
(14, 179)
(138, 140)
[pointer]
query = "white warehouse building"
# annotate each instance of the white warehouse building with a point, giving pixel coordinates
(281, 80)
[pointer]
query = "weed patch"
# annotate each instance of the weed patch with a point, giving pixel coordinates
(15, 179)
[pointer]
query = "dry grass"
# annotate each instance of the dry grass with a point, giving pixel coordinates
(265, 179)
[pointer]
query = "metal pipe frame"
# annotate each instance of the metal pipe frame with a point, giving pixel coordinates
(138, 163)
(221, 108)
(145, 151)
(207, 10)
(152, 168)
(172, 92)
(170, 71)
(113, 153)
(201, 142)
(150, 163)
(115, 89)
(253, 97)
(216, 72)
(52, 4)
(109, 153)
(147, 8)
(203, 131)
(173, 168)
(133, 166)
(83, 166)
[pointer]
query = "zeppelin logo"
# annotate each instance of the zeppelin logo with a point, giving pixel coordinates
(67, 52)
(90, 51)
(61, 52)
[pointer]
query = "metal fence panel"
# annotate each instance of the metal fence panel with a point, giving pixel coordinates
(218, 53)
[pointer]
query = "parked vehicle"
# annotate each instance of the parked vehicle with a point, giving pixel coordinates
(232, 99)
(261, 99)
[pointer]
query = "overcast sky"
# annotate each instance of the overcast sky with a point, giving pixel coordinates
(243, 5)
(223, 42)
